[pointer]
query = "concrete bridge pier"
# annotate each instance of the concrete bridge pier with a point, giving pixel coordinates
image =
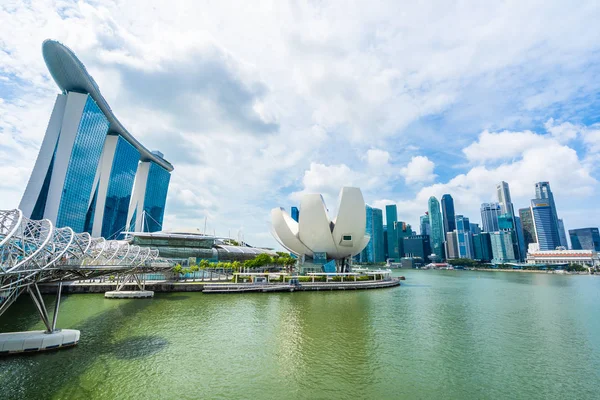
(32, 341)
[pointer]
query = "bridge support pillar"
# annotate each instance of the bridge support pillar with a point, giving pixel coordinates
(133, 278)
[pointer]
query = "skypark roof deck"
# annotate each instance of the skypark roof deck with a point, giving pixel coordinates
(71, 76)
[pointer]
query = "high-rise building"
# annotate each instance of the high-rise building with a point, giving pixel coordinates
(543, 192)
(544, 223)
(417, 246)
(88, 162)
(402, 230)
(475, 229)
(528, 227)
(482, 247)
(391, 217)
(425, 225)
(374, 251)
(437, 228)
(489, 216)
(562, 236)
(463, 235)
(448, 213)
(507, 224)
(585, 239)
(385, 242)
(451, 245)
(504, 199)
(295, 214)
(520, 239)
(502, 247)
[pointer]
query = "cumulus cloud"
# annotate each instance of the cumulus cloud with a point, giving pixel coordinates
(419, 169)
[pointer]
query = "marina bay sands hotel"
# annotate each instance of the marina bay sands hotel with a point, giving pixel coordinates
(91, 174)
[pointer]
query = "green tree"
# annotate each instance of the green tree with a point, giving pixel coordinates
(177, 269)
(194, 268)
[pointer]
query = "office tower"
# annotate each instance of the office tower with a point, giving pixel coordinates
(520, 239)
(543, 192)
(295, 214)
(562, 236)
(482, 247)
(502, 247)
(544, 223)
(504, 199)
(489, 216)
(402, 230)
(437, 228)
(88, 162)
(417, 246)
(374, 227)
(585, 239)
(528, 227)
(507, 223)
(463, 235)
(425, 225)
(475, 229)
(391, 217)
(385, 242)
(448, 213)
(451, 245)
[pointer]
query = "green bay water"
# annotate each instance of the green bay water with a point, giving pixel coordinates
(443, 334)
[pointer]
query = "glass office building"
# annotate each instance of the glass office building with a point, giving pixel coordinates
(391, 217)
(88, 162)
(489, 216)
(482, 247)
(425, 226)
(437, 228)
(463, 236)
(585, 239)
(448, 213)
(544, 223)
(528, 227)
(374, 252)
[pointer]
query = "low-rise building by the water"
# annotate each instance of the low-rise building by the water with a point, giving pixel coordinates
(558, 257)
(186, 247)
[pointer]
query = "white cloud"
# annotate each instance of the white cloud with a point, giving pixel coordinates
(419, 169)
(492, 146)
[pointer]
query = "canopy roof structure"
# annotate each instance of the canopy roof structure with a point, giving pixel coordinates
(36, 251)
(71, 76)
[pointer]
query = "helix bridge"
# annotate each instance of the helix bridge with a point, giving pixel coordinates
(35, 251)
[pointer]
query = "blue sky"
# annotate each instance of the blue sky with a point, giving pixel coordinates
(256, 104)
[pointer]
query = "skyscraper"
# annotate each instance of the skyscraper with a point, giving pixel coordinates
(403, 230)
(475, 229)
(88, 162)
(425, 225)
(585, 239)
(507, 224)
(561, 234)
(374, 251)
(502, 247)
(451, 245)
(544, 223)
(448, 213)
(463, 235)
(296, 214)
(391, 217)
(437, 228)
(489, 216)
(504, 199)
(482, 247)
(543, 192)
(417, 246)
(528, 227)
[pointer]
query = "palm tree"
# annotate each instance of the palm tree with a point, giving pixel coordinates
(177, 269)
(194, 268)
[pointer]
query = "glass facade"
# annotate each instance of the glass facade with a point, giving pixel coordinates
(403, 230)
(425, 225)
(502, 247)
(463, 236)
(417, 246)
(527, 225)
(120, 185)
(374, 252)
(391, 217)
(448, 213)
(562, 236)
(545, 228)
(482, 247)
(543, 192)
(489, 216)
(437, 228)
(155, 197)
(87, 148)
(295, 214)
(585, 239)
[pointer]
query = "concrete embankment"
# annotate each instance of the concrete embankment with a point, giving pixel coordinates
(166, 287)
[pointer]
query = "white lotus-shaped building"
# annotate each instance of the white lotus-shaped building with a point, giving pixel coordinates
(315, 232)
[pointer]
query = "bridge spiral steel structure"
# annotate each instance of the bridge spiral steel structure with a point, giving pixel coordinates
(35, 251)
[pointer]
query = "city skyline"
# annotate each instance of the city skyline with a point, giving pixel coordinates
(245, 122)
